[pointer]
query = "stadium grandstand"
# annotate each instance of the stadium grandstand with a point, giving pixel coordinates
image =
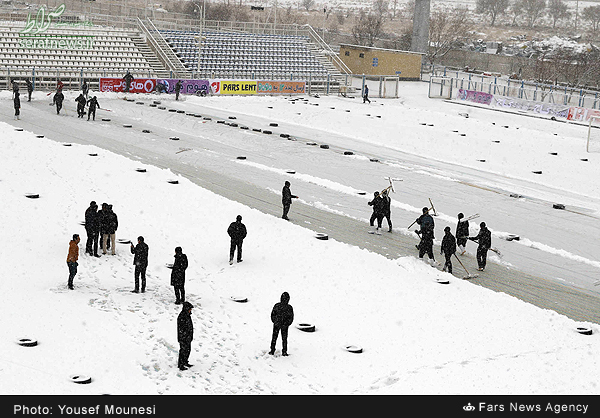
(82, 44)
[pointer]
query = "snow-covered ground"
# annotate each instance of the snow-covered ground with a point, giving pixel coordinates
(418, 336)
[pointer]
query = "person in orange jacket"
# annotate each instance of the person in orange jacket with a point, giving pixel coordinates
(72, 258)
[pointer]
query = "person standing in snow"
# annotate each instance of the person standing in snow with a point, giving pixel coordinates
(92, 229)
(282, 317)
(484, 239)
(178, 275)
(58, 101)
(29, 88)
(80, 105)
(237, 232)
(128, 79)
(378, 211)
(85, 88)
(448, 249)
(72, 258)
(177, 89)
(17, 105)
(425, 221)
(93, 104)
(387, 208)
(140, 260)
(366, 94)
(462, 233)
(110, 223)
(185, 335)
(286, 199)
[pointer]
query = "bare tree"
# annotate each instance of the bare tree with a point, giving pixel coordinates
(532, 10)
(515, 10)
(493, 8)
(307, 4)
(448, 29)
(381, 7)
(592, 15)
(367, 29)
(557, 10)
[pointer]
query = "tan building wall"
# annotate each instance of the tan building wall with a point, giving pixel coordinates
(379, 61)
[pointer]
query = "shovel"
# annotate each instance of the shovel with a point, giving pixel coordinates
(468, 276)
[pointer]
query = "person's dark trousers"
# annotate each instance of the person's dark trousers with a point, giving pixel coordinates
(185, 349)
(179, 294)
(177, 96)
(58, 107)
(72, 272)
(95, 238)
(28, 96)
(389, 220)
(379, 219)
(140, 272)
(448, 263)
(235, 244)
(90, 242)
(481, 257)
(284, 335)
(90, 113)
(286, 209)
(426, 247)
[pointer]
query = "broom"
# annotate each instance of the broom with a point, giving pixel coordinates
(468, 276)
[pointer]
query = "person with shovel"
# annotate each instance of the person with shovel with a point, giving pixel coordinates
(425, 221)
(484, 239)
(462, 233)
(448, 249)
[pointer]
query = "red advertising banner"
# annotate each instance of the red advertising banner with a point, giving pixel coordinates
(582, 114)
(138, 85)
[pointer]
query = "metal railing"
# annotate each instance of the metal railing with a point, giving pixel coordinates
(329, 54)
(161, 48)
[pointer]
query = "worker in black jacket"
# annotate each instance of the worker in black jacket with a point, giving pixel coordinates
(92, 105)
(425, 221)
(484, 239)
(378, 204)
(140, 260)
(178, 275)
(448, 249)
(92, 228)
(282, 317)
(80, 105)
(286, 199)
(185, 335)
(462, 233)
(237, 232)
(58, 101)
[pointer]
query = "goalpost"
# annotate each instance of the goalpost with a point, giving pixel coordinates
(593, 139)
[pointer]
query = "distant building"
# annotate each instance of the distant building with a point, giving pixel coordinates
(379, 61)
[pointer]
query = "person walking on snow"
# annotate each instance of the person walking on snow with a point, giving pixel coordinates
(237, 232)
(282, 317)
(425, 221)
(484, 239)
(92, 105)
(29, 89)
(366, 94)
(17, 105)
(85, 88)
(128, 79)
(462, 233)
(80, 105)
(178, 275)
(286, 199)
(72, 258)
(448, 249)
(185, 335)
(378, 212)
(140, 260)
(177, 89)
(58, 101)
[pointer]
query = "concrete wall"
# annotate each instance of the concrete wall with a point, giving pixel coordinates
(406, 65)
(503, 64)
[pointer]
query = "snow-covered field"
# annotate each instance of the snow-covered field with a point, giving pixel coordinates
(418, 336)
